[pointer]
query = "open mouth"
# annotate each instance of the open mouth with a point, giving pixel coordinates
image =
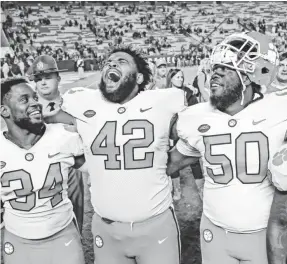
(113, 76)
(35, 113)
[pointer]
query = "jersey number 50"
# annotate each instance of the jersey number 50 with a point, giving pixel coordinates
(105, 144)
(241, 161)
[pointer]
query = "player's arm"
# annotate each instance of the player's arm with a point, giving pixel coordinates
(201, 86)
(79, 163)
(61, 117)
(277, 229)
(178, 161)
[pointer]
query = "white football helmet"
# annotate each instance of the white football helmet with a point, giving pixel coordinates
(251, 53)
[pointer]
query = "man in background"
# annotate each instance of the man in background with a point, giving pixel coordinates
(47, 79)
(161, 70)
(280, 82)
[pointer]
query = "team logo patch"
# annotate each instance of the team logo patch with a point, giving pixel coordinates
(29, 156)
(99, 241)
(207, 235)
(204, 128)
(8, 248)
(2, 164)
(121, 110)
(89, 113)
(280, 157)
(232, 122)
(40, 66)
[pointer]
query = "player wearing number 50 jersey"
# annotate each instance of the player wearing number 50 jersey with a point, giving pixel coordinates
(125, 131)
(235, 134)
(35, 161)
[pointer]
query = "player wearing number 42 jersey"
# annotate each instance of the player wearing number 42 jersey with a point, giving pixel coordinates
(35, 162)
(235, 134)
(125, 131)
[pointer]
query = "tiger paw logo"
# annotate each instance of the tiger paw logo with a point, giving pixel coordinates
(280, 157)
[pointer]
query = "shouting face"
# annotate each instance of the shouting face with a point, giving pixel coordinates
(119, 77)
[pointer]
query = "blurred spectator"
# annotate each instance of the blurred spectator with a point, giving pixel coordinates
(161, 70)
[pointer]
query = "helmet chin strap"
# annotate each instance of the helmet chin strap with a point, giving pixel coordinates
(240, 77)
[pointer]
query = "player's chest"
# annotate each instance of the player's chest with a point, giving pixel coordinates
(33, 168)
(123, 124)
(227, 133)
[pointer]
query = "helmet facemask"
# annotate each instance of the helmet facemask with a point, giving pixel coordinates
(246, 55)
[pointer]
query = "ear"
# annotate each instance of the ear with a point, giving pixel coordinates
(5, 111)
(245, 79)
(140, 78)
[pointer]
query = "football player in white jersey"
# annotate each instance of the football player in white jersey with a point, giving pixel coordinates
(47, 79)
(125, 131)
(280, 82)
(35, 163)
(235, 134)
(277, 225)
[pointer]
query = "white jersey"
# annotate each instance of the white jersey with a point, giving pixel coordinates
(235, 151)
(126, 150)
(34, 183)
(278, 168)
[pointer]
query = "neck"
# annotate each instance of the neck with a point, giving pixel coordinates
(50, 97)
(281, 82)
(237, 106)
(133, 94)
(22, 137)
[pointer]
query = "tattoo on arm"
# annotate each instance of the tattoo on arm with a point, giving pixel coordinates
(277, 230)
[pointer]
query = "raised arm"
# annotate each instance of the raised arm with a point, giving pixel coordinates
(277, 229)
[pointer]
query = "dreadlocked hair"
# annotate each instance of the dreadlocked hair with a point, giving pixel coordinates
(140, 61)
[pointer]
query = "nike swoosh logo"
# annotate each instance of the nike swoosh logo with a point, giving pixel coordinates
(51, 156)
(68, 243)
(144, 110)
(161, 241)
(257, 122)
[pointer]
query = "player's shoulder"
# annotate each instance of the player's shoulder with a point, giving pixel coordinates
(80, 92)
(60, 132)
(190, 120)
(78, 101)
(196, 110)
(164, 93)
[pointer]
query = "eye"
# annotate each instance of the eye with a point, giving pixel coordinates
(24, 99)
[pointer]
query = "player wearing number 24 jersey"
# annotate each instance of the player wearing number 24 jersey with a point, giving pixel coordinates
(125, 131)
(35, 163)
(235, 134)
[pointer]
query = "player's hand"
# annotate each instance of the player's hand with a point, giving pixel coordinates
(193, 89)
(71, 128)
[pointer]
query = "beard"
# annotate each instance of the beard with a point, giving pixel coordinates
(25, 123)
(125, 88)
(227, 98)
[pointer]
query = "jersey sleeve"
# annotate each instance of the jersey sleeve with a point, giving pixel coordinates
(188, 137)
(71, 143)
(184, 148)
(76, 101)
(278, 169)
(177, 99)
